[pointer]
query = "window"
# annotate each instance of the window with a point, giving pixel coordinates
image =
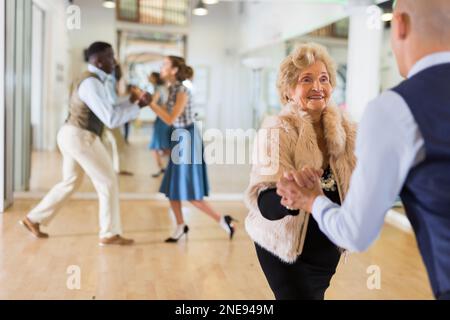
(154, 12)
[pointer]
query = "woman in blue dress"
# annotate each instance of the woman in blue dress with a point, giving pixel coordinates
(160, 143)
(186, 176)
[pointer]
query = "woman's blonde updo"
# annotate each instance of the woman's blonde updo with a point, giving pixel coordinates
(302, 57)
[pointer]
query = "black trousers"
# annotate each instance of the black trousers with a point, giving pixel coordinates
(309, 276)
(444, 296)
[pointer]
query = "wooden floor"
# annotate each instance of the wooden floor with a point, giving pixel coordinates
(208, 266)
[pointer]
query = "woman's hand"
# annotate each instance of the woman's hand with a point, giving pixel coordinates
(289, 191)
(299, 189)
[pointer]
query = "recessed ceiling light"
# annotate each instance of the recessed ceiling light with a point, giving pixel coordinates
(110, 4)
(386, 17)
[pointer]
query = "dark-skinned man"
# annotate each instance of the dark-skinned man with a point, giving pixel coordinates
(83, 152)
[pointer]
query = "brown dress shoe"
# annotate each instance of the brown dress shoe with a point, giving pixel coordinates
(116, 240)
(33, 228)
(126, 173)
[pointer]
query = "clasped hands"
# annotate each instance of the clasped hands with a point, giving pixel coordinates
(299, 189)
(143, 98)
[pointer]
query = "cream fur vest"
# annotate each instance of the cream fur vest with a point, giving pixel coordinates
(288, 142)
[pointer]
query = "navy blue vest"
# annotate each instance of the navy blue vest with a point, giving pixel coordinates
(426, 193)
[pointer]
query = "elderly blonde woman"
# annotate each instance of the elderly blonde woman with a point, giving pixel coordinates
(298, 260)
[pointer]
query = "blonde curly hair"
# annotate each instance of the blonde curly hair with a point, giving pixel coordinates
(302, 57)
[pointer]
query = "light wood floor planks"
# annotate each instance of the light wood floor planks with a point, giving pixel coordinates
(208, 266)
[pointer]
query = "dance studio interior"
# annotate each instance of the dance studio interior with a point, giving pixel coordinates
(118, 234)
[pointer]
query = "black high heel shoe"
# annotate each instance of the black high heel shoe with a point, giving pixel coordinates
(160, 172)
(229, 221)
(174, 240)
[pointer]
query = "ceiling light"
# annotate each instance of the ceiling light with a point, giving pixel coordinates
(210, 1)
(386, 17)
(200, 9)
(110, 4)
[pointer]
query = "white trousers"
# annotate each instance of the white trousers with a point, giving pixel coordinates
(83, 151)
(114, 138)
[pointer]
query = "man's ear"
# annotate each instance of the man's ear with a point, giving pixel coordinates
(94, 60)
(403, 25)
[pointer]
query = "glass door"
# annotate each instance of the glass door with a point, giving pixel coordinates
(3, 202)
(7, 44)
(22, 92)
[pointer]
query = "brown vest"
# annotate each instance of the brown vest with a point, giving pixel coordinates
(79, 113)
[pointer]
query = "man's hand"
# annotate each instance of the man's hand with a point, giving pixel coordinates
(135, 93)
(299, 189)
(144, 99)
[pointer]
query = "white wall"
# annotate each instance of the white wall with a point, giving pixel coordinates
(364, 52)
(97, 24)
(37, 73)
(56, 67)
(271, 57)
(212, 43)
(265, 23)
(390, 76)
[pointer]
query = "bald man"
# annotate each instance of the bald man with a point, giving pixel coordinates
(403, 147)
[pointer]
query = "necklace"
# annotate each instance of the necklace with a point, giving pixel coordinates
(328, 182)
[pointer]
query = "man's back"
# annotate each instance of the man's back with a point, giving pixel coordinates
(426, 192)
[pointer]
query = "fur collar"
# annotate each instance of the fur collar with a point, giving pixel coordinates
(332, 120)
